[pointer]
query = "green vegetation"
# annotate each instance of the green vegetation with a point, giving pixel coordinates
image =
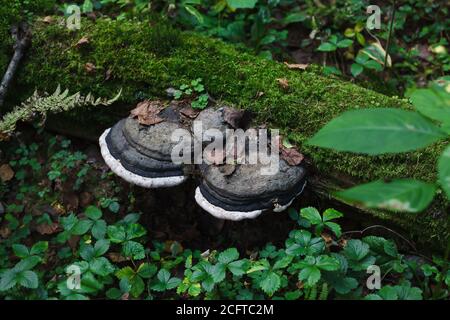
(235, 77)
(118, 259)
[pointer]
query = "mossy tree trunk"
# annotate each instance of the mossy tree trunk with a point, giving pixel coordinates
(146, 58)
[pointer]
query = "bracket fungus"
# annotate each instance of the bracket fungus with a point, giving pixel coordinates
(139, 149)
(141, 154)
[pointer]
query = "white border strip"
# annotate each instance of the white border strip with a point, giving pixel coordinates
(131, 177)
(222, 213)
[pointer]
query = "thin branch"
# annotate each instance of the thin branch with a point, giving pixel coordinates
(22, 36)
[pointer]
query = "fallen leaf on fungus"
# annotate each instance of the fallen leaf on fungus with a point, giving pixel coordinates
(147, 112)
(291, 156)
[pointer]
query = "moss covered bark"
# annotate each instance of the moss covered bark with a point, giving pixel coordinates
(144, 59)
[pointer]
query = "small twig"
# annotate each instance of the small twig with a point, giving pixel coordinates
(391, 29)
(22, 37)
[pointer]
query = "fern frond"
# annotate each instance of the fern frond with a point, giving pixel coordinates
(40, 105)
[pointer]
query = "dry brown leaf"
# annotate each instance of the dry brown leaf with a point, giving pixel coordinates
(189, 112)
(296, 66)
(116, 257)
(6, 173)
(47, 229)
(291, 156)
(82, 41)
(147, 112)
(283, 82)
(90, 67)
(5, 232)
(108, 74)
(48, 19)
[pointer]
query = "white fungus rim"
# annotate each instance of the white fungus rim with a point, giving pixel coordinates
(131, 177)
(221, 213)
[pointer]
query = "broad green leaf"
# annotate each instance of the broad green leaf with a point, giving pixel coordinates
(135, 230)
(82, 226)
(87, 252)
(20, 250)
(228, 255)
(116, 234)
(101, 247)
(327, 263)
(101, 266)
(137, 286)
(327, 47)
(239, 267)
(173, 283)
(399, 195)
(356, 69)
(331, 214)
(270, 283)
(93, 212)
(431, 103)
(356, 250)
(163, 275)
(28, 279)
(310, 274)
(133, 249)
(345, 43)
(242, 4)
(406, 292)
(293, 17)
(335, 228)
(147, 270)
(195, 13)
(444, 171)
(311, 214)
(27, 264)
(99, 229)
(377, 131)
(39, 247)
(8, 280)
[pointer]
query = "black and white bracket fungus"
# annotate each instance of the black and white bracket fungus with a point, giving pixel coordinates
(246, 193)
(141, 154)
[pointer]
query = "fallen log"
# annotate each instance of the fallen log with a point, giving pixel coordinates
(144, 59)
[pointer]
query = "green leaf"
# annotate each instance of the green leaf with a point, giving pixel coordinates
(399, 195)
(39, 247)
(135, 230)
(270, 283)
(356, 69)
(147, 270)
(293, 18)
(444, 171)
(344, 43)
(93, 212)
(27, 264)
(311, 214)
(335, 228)
(116, 234)
(99, 229)
(87, 252)
(101, 266)
(137, 286)
(173, 283)
(133, 250)
(431, 103)
(82, 226)
(310, 274)
(195, 13)
(327, 263)
(242, 4)
(327, 47)
(239, 267)
(28, 279)
(8, 280)
(228, 255)
(101, 247)
(406, 292)
(344, 285)
(20, 250)
(356, 250)
(377, 131)
(331, 214)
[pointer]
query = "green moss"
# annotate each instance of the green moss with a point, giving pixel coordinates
(144, 61)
